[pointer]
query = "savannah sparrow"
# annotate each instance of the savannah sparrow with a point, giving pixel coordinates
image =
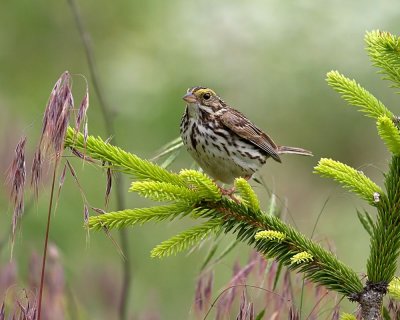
(223, 141)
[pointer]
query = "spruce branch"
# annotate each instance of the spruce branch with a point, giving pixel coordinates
(301, 257)
(186, 239)
(384, 51)
(270, 235)
(383, 48)
(119, 159)
(192, 193)
(347, 316)
(389, 133)
(394, 288)
(351, 179)
(164, 191)
(325, 269)
(356, 95)
(202, 184)
(138, 216)
(366, 221)
(247, 194)
(385, 241)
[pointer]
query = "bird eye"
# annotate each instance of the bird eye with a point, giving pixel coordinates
(206, 96)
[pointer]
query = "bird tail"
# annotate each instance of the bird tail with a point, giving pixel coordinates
(294, 150)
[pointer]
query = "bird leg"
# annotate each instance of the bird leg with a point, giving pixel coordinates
(229, 193)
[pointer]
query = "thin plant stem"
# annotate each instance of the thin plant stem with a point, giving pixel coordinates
(303, 282)
(85, 37)
(108, 116)
(123, 304)
(46, 241)
(126, 263)
(311, 236)
(287, 301)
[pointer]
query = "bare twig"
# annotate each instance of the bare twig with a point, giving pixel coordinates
(47, 238)
(108, 116)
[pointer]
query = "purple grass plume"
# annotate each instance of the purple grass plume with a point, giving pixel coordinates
(55, 124)
(262, 288)
(16, 180)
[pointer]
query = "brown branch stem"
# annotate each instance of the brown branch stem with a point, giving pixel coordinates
(371, 299)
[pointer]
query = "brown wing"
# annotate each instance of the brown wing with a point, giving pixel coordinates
(239, 124)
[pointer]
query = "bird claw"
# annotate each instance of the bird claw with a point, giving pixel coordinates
(229, 193)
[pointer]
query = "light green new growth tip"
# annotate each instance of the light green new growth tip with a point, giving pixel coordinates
(357, 96)
(390, 134)
(138, 216)
(350, 178)
(301, 257)
(270, 235)
(193, 194)
(185, 239)
(202, 184)
(394, 288)
(118, 159)
(347, 316)
(247, 194)
(164, 191)
(384, 50)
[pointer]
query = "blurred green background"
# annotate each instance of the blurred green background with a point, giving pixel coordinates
(266, 58)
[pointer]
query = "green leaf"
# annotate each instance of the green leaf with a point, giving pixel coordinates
(386, 314)
(226, 251)
(277, 275)
(171, 158)
(209, 256)
(171, 148)
(260, 315)
(356, 95)
(273, 209)
(366, 222)
(351, 179)
(389, 133)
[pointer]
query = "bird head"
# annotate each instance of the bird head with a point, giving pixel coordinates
(203, 97)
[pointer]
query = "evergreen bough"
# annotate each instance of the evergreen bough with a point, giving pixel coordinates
(192, 193)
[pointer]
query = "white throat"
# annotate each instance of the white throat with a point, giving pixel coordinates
(195, 109)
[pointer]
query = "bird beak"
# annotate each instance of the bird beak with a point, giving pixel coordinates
(189, 97)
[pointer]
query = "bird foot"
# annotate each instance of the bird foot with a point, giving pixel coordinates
(229, 193)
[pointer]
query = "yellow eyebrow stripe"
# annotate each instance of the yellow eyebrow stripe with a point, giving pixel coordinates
(202, 91)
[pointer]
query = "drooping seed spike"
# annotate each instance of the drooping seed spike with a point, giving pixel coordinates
(16, 180)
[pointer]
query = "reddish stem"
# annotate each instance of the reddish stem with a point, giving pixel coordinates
(46, 240)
